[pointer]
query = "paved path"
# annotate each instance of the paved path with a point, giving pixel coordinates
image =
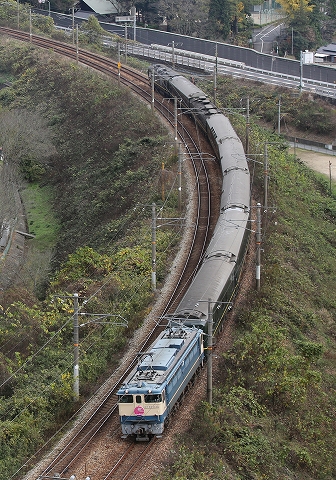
(317, 161)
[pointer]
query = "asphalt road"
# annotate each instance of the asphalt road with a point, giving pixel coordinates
(265, 40)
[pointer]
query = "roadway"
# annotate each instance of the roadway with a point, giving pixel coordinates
(255, 61)
(265, 40)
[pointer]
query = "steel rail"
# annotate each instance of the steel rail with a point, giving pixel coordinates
(102, 414)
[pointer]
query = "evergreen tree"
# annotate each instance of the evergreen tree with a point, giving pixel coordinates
(222, 14)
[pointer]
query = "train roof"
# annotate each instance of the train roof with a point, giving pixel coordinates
(219, 262)
(156, 365)
(188, 89)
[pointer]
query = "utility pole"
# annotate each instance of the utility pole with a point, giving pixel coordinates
(133, 13)
(279, 114)
(73, 25)
(330, 175)
(153, 90)
(119, 64)
(30, 25)
(215, 75)
(126, 43)
(301, 68)
(209, 353)
(77, 51)
(163, 181)
(258, 242)
(180, 178)
(76, 350)
(153, 247)
(175, 122)
(247, 145)
(97, 317)
(173, 54)
(265, 177)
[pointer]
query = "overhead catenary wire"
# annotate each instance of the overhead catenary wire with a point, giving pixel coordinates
(29, 360)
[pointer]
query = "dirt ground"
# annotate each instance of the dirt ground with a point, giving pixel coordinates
(317, 161)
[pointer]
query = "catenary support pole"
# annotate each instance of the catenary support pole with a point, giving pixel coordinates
(173, 54)
(209, 355)
(301, 70)
(162, 181)
(175, 122)
(153, 89)
(265, 177)
(153, 246)
(77, 50)
(215, 75)
(30, 25)
(73, 25)
(258, 246)
(133, 14)
(119, 64)
(126, 43)
(76, 350)
(247, 145)
(180, 155)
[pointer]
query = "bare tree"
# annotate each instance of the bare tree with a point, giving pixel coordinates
(188, 17)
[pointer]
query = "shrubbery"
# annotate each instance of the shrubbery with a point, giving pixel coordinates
(98, 184)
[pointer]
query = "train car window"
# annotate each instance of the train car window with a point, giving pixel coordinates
(153, 398)
(125, 399)
(138, 399)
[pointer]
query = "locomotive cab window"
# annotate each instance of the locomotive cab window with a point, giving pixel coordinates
(125, 399)
(138, 398)
(153, 398)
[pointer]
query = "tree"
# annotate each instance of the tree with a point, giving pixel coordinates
(188, 17)
(93, 29)
(293, 7)
(148, 11)
(225, 16)
(221, 13)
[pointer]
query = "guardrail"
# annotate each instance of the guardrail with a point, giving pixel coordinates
(329, 148)
(207, 64)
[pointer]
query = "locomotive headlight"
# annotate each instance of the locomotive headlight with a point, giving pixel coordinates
(126, 391)
(149, 391)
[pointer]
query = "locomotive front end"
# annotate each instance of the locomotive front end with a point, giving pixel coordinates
(142, 412)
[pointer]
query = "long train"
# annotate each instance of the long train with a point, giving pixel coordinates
(155, 385)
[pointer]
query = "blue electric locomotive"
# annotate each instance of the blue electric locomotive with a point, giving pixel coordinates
(154, 386)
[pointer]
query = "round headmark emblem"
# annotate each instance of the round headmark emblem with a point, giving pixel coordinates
(139, 410)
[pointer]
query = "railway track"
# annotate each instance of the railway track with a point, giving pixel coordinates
(205, 174)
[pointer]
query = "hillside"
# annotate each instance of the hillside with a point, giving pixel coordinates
(85, 185)
(273, 414)
(274, 410)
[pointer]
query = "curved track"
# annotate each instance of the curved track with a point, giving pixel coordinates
(205, 178)
(198, 149)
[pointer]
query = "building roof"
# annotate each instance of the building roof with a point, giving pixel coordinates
(328, 49)
(103, 7)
